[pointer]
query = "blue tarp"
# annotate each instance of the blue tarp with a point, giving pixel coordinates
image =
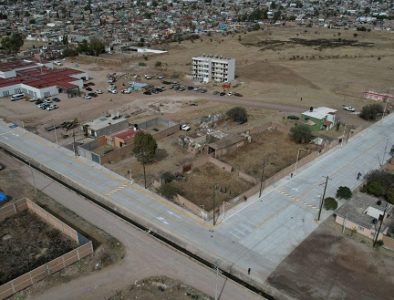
(3, 197)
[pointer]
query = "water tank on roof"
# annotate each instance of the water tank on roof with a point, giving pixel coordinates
(3, 197)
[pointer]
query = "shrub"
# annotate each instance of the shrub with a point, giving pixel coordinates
(238, 114)
(142, 64)
(168, 190)
(158, 64)
(330, 203)
(371, 111)
(167, 177)
(301, 133)
(375, 188)
(344, 192)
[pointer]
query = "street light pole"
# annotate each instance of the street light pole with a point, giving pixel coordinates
(262, 178)
(380, 226)
(298, 156)
(216, 283)
(322, 198)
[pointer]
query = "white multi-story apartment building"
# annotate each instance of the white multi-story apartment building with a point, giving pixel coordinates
(216, 68)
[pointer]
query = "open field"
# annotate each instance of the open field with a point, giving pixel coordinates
(275, 147)
(27, 243)
(199, 186)
(348, 268)
(275, 65)
(159, 288)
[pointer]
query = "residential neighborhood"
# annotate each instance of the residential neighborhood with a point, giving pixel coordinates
(196, 149)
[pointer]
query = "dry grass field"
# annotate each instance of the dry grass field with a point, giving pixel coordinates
(275, 147)
(199, 186)
(272, 67)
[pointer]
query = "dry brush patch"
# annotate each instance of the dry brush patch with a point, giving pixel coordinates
(27, 243)
(199, 186)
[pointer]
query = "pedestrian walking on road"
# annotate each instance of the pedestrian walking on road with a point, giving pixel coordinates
(248, 271)
(359, 175)
(291, 175)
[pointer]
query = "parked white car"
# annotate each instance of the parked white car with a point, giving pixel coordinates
(185, 127)
(349, 108)
(99, 91)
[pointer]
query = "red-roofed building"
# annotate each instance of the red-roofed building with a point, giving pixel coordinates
(121, 138)
(38, 80)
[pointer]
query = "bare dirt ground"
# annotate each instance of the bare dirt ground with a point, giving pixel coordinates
(272, 67)
(275, 147)
(199, 186)
(159, 288)
(108, 250)
(276, 67)
(330, 265)
(27, 243)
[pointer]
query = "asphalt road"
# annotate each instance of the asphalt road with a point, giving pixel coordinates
(145, 255)
(257, 234)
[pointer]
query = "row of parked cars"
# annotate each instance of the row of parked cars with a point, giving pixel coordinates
(217, 93)
(47, 103)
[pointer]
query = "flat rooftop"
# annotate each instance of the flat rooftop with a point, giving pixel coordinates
(42, 77)
(104, 121)
(356, 209)
(319, 112)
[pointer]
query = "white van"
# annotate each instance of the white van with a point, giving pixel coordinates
(17, 97)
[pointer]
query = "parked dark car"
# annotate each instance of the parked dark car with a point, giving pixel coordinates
(237, 94)
(147, 93)
(292, 117)
(89, 89)
(222, 94)
(92, 95)
(39, 101)
(56, 99)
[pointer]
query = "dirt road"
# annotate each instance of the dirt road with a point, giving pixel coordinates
(145, 256)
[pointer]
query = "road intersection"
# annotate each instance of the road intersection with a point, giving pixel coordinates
(257, 234)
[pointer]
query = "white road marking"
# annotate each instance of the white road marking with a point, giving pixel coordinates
(162, 220)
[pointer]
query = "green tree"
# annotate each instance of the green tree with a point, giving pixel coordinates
(301, 133)
(168, 190)
(392, 150)
(344, 192)
(371, 111)
(238, 114)
(330, 203)
(96, 47)
(12, 43)
(144, 149)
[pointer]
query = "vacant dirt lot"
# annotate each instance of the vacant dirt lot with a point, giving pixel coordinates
(108, 250)
(199, 186)
(159, 288)
(27, 243)
(329, 265)
(275, 147)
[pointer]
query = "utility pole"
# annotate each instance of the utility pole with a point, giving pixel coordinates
(216, 283)
(381, 218)
(262, 178)
(214, 205)
(74, 144)
(385, 150)
(322, 198)
(54, 125)
(143, 166)
(298, 156)
(385, 108)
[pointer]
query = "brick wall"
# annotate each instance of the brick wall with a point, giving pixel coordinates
(191, 207)
(59, 263)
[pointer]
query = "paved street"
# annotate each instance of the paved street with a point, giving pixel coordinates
(259, 233)
(145, 256)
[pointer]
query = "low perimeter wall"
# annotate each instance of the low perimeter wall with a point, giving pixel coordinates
(59, 263)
